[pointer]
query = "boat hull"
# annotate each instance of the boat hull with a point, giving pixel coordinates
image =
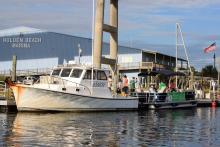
(173, 105)
(35, 99)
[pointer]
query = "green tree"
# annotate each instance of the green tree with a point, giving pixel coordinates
(209, 71)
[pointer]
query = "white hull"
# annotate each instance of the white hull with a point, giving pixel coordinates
(35, 99)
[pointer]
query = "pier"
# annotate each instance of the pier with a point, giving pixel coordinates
(7, 102)
(7, 105)
(27, 72)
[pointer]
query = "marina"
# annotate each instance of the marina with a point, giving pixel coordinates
(89, 75)
(10, 105)
(188, 127)
(80, 87)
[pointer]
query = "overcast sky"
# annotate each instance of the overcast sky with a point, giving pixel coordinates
(142, 23)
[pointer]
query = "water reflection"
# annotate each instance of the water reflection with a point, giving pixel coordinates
(154, 128)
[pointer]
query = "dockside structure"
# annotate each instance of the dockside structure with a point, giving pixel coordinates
(39, 49)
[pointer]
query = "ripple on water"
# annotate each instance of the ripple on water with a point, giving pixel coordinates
(193, 127)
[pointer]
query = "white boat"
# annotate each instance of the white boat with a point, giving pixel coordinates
(70, 88)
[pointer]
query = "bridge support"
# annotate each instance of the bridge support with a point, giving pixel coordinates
(112, 28)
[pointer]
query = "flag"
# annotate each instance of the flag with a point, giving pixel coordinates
(210, 48)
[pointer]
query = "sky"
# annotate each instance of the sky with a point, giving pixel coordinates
(144, 24)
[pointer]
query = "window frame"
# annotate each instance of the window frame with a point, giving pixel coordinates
(100, 75)
(56, 70)
(90, 75)
(71, 75)
(64, 70)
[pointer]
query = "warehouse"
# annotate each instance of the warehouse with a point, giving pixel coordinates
(40, 49)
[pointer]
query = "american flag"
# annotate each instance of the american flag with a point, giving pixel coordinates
(210, 48)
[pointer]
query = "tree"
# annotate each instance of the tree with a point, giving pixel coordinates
(209, 71)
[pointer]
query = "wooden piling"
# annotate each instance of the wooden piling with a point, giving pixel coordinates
(14, 63)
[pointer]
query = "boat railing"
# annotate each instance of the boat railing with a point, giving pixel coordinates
(145, 97)
(55, 79)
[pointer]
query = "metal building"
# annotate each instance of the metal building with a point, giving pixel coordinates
(40, 49)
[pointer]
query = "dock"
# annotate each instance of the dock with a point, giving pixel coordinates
(207, 103)
(7, 105)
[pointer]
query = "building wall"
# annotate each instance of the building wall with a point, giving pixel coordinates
(47, 49)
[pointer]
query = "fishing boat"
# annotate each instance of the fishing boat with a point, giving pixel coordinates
(70, 88)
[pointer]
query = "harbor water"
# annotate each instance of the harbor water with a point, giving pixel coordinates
(188, 127)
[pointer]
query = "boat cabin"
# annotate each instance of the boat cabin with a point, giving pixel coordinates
(82, 75)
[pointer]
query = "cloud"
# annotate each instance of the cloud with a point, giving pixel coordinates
(169, 3)
(143, 23)
(70, 17)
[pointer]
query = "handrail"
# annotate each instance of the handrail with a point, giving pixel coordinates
(129, 65)
(59, 78)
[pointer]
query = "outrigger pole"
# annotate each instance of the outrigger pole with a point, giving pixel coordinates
(179, 34)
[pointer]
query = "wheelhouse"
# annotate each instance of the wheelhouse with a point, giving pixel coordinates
(78, 74)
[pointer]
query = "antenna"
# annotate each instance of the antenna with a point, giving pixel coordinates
(80, 52)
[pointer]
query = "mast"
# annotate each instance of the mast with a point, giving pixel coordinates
(179, 34)
(177, 52)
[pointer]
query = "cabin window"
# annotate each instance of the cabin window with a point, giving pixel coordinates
(88, 74)
(66, 72)
(56, 72)
(76, 73)
(101, 75)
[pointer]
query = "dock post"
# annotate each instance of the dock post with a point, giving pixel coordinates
(14, 63)
(191, 81)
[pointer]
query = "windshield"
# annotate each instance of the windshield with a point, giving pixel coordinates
(76, 73)
(56, 72)
(66, 72)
